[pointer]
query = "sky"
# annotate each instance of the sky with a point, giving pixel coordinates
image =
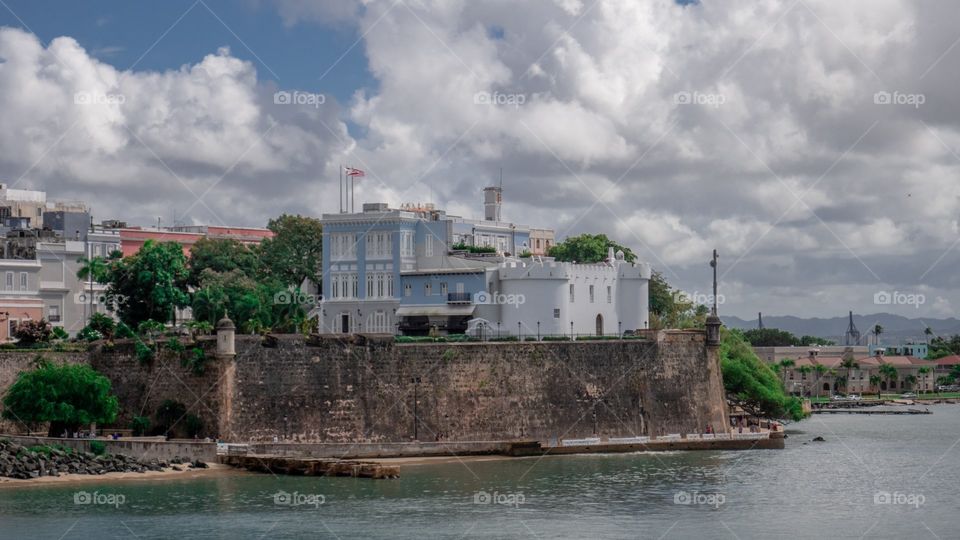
(815, 144)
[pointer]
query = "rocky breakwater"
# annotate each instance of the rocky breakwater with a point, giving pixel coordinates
(18, 461)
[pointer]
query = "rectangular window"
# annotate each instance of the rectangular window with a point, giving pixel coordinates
(443, 288)
(23, 281)
(390, 285)
(591, 293)
(408, 290)
(460, 287)
(609, 294)
(427, 289)
(428, 245)
(571, 293)
(556, 313)
(10, 281)
(354, 282)
(369, 284)
(53, 314)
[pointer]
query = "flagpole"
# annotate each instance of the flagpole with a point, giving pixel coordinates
(351, 195)
(341, 187)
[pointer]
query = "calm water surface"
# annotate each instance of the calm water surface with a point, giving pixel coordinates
(814, 490)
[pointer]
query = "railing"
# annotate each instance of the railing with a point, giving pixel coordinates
(669, 438)
(458, 298)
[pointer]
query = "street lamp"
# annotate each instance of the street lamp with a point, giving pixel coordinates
(620, 329)
(571, 330)
(498, 329)
(519, 337)
(538, 330)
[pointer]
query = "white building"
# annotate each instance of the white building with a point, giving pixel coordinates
(566, 298)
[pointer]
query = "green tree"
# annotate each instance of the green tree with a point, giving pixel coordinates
(151, 282)
(804, 372)
(670, 308)
(785, 365)
(97, 268)
(820, 369)
(910, 380)
(876, 330)
(888, 372)
(220, 255)
(294, 253)
(68, 396)
(752, 384)
(252, 305)
(588, 248)
(924, 373)
(875, 381)
(770, 337)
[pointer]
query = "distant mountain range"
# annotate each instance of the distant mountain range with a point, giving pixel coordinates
(896, 328)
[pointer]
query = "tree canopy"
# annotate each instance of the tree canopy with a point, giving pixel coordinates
(220, 255)
(588, 248)
(151, 283)
(940, 347)
(774, 337)
(68, 396)
(671, 309)
(295, 252)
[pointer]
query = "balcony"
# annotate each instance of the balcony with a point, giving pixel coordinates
(458, 298)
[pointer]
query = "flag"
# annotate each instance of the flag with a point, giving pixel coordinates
(354, 172)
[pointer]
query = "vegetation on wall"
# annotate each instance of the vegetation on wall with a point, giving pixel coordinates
(751, 384)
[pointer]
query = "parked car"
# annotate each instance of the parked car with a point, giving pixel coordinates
(854, 397)
(908, 395)
(838, 397)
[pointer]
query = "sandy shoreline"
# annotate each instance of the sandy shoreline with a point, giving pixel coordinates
(214, 470)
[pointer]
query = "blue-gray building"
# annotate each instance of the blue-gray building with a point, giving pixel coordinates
(388, 270)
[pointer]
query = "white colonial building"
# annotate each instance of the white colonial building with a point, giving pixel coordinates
(566, 298)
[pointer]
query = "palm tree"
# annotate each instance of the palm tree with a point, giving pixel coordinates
(820, 369)
(784, 365)
(875, 381)
(849, 362)
(888, 372)
(911, 380)
(94, 270)
(928, 332)
(923, 375)
(877, 330)
(804, 371)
